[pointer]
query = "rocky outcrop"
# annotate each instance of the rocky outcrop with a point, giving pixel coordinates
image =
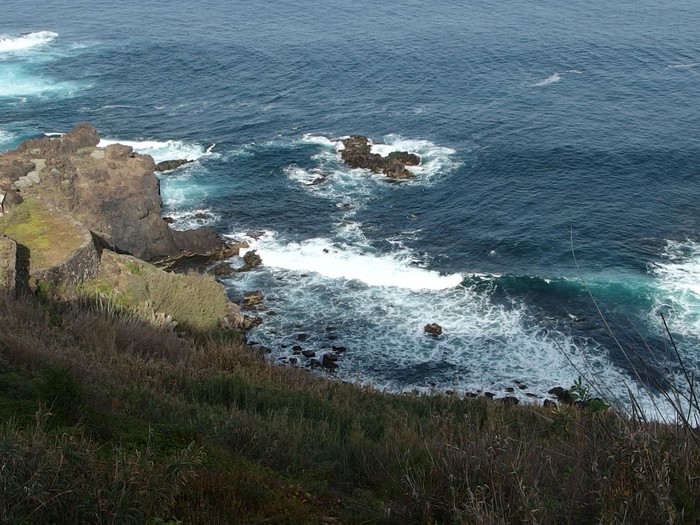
(8, 266)
(357, 153)
(112, 191)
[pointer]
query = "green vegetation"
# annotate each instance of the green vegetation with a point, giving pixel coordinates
(193, 302)
(109, 419)
(48, 236)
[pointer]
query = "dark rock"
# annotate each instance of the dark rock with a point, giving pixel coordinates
(251, 260)
(168, 165)
(221, 269)
(251, 299)
(308, 353)
(271, 313)
(471, 394)
(510, 389)
(433, 329)
(509, 400)
(530, 394)
(302, 337)
(329, 361)
(201, 216)
(449, 392)
(297, 348)
(292, 360)
(490, 395)
(548, 403)
(562, 394)
(357, 153)
(314, 363)
(338, 349)
(169, 220)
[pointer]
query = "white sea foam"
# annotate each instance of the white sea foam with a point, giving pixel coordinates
(26, 41)
(684, 66)
(16, 81)
(679, 287)
(6, 138)
(191, 218)
(160, 151)
(378, 305)
(554, 77)
(329, 177)
(334, 261)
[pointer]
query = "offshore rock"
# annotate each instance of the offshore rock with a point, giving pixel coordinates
(357, 153)
(112, 191)
(169, 165)
(433, 329)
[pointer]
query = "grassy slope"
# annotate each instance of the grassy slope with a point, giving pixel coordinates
(196, 302)
(150, 424)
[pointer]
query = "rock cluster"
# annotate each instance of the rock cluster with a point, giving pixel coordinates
(357, 153)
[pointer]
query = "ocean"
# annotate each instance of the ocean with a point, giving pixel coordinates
(553, 219)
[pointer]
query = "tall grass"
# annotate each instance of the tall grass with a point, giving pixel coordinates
(284, 446)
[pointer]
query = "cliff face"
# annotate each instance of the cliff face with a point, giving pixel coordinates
(111, 191)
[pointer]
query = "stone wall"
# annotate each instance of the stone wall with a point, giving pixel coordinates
(78, 267)
(8, 265)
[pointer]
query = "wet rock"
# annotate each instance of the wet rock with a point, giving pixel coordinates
(490, 395)
(169, 165)
(471, 394)
(510, 389)
(202, 216)
(302, 337)
(297, 348)
(308, 353)
(548, 403)
(357, 153)
(251, 299)
(329, 361)
(509, 400)
(168, 220)
(338, 349)
(221, 269)
(250, 260)
(433, 329)
(562, 394)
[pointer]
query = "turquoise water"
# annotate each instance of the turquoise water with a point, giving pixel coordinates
(541, 127)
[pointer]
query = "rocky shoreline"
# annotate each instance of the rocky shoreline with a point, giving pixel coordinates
(110, 198)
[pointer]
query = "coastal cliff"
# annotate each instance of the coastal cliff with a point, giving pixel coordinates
(79, 219)
(111, 191)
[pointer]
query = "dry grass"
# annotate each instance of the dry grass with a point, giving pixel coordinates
(291, 448)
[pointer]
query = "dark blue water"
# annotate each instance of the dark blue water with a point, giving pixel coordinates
(542, 127)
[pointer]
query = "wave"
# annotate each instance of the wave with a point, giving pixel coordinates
(166, 150)
(554, 77)
(17, 82)
(26, 41)
(7, 140)
(191, 218)
(678, 296)
(335, 261)
(376, 306)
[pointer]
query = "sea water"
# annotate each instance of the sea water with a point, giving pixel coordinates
(557, 192)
